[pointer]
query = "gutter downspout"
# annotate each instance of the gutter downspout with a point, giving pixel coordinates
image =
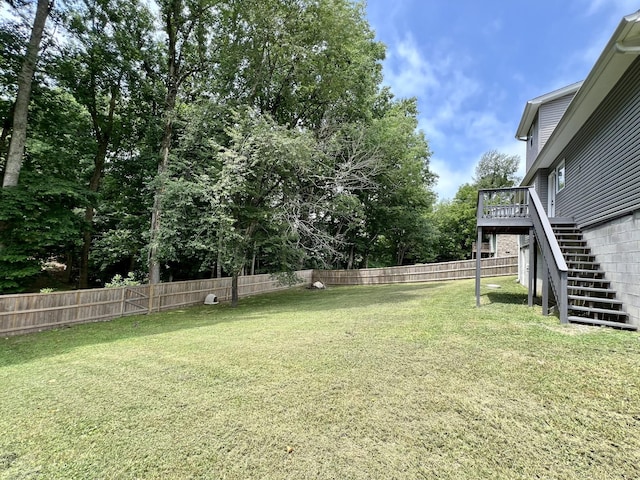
(627, 49)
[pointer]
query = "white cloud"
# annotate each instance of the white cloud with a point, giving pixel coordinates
(407, 72)
(449, 177)
(457, 113)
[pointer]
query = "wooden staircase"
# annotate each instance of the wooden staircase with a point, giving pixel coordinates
(591, 300)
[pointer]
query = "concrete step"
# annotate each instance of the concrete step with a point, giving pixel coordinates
(603, 323)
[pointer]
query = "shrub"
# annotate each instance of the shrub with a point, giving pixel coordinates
(120, 281)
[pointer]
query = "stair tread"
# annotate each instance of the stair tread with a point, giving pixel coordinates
(586, 270)
(595, 299)
(607, 323)
(597, 310)
(592, 289)
(581, 280)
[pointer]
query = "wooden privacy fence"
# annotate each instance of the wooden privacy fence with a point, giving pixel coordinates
(39, 311)
(429, 272)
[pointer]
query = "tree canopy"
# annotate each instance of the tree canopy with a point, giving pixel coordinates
(185, 138)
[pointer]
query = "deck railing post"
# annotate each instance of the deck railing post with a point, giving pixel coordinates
(563, 300)
(532, 267)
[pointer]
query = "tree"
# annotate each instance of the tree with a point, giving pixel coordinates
(404, 195)
(455, 220)
(243, 195)
(305, 63)
(98, 64)
(40, 213)
(455, 224)
(21, 107)
(187, 25)
(496, 170)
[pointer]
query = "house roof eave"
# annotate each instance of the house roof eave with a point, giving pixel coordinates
(533, 105)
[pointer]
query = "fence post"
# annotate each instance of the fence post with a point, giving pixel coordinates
(150, 297)
(124, 295)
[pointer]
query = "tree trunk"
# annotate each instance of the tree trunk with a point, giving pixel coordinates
(103, 137)
(234, 289)
(19, 133)
(351, 256)
(253, 263)
(165, 145)
(156, 213)
(6, 128)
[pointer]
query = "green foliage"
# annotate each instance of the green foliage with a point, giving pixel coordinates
(288, 279)
(496, 170)
(120, 281)
(37, 222)
(455, 222)
(282, 149)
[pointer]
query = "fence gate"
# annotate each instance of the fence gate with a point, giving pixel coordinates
(135, 300)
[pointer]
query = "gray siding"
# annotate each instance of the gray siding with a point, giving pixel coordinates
(549, 116)
(603, 159)
(542, 189)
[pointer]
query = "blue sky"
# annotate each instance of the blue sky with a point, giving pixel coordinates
(474, 64)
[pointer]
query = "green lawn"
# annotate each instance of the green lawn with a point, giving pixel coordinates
(400, 381)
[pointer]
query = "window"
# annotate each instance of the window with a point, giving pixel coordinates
(531, 135)
(560, 176)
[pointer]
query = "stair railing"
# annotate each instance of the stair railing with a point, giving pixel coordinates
(553, 259)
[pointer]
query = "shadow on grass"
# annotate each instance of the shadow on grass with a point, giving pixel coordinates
(508, 297)
(28, 347)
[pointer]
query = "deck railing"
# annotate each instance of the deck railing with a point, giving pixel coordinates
(508, 205)
(503, 203)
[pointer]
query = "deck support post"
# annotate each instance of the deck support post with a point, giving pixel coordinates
(478, 265)
(532, 267)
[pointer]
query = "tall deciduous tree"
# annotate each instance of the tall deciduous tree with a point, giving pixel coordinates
(188, 26)
(98, 65)
(21, 108)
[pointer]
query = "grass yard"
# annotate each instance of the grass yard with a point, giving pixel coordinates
(397, 381)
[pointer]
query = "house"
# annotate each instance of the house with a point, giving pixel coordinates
(577, 210)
